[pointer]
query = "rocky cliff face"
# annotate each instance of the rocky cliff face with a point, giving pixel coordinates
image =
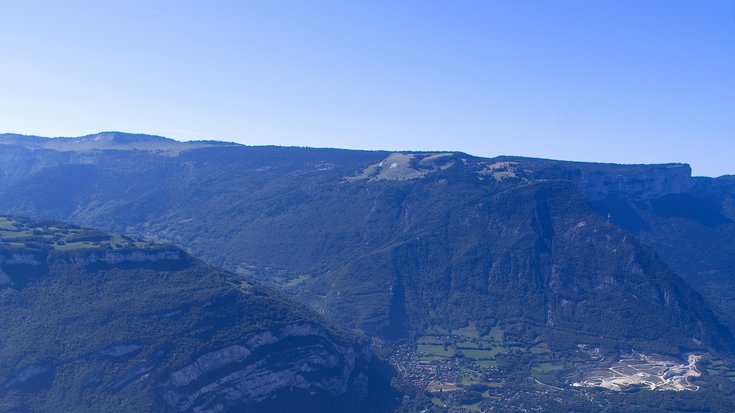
(599, 180)
(645, 182)
(292, 358)
(539, 244)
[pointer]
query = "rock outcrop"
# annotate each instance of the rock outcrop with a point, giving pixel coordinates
(264, 365)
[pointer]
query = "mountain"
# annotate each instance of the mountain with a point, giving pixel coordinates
(392, 243)
(688, 221)
(109, 140)
(93, 322)
(479, 277)
(692, 229)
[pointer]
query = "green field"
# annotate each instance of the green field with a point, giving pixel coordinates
(542, 348)
(546, 367)
(430, 340)
(486, 363)
(436, 350)
(469, 344)
(472, 407)
(497, 334)
(483, 354)
(438, 402)
(470, 331)
(481, 350)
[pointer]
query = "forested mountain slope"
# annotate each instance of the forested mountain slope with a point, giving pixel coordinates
(392, 243)
(92, 322)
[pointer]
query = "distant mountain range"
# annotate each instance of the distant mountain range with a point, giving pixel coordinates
(401, 244)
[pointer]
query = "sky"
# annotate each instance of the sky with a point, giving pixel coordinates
(637, 81)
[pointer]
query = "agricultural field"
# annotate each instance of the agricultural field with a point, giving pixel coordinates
(460, 368)
(482, 351)
(464, 370)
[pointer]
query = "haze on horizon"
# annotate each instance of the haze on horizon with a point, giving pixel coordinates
(605, 81)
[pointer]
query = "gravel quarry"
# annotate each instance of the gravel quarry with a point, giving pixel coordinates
(644, 372)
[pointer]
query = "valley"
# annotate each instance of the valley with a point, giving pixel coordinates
(483, 284)
(419, 206)
(462, 371)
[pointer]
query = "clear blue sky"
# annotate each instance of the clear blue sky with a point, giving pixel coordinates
(622, 81)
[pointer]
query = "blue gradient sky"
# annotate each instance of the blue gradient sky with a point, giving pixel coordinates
(619, 81)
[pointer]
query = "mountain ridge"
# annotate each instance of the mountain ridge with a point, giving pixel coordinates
(108, 141)
(17, 138)
(461, 269)
(282, 192)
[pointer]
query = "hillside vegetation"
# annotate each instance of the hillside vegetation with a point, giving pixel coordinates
(93, 322)
(488, 283)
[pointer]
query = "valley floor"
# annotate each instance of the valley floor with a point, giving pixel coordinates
(462, 371)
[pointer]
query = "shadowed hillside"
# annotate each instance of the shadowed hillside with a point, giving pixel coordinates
(93, 322)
